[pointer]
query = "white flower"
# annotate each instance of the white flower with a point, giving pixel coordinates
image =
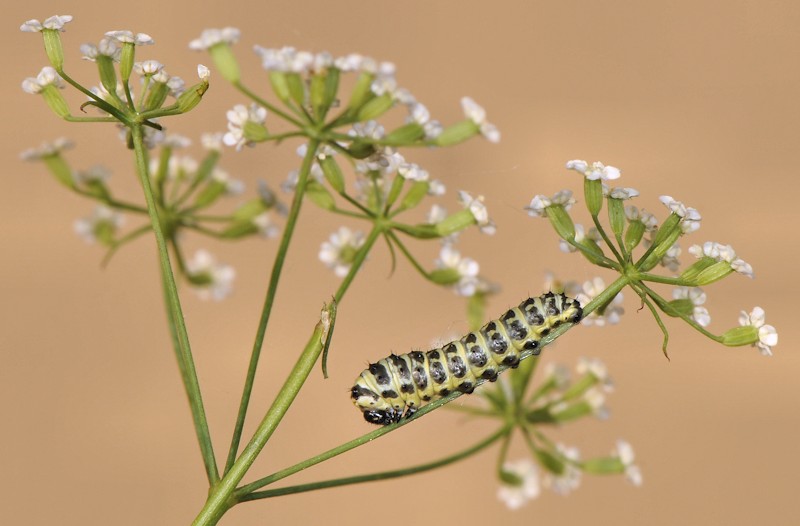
(203, 72)
(107, 47)
(477, 114)
(47, 149)
(597, 401)
(690, 217)
(148, 67)
(211, 37)
(597, 369)
(478, 210)
(622, 193)
(209, 279)
(514, 496)
(55, 22)
(558, 373)
(624, 452)
(580, 235)
(436, 215)
(670, 259)
(720, 252)
(212, 141)
(176, 141)
(412, 172)
(467, 269)
(540, 203)
(697, 297)
(649, 220)
(100, 226)
(238, 118)
(46, 77)
(128, 37)
(570, 479)
(265, 225)
(286, 59)
(436, 187)
(612, 312)
(767, 335)
(339, 251)
(96, 173)
(596, 171)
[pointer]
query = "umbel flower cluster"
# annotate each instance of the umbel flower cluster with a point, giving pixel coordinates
(357, 167)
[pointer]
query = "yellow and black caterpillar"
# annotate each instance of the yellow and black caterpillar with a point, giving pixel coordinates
(396, 386)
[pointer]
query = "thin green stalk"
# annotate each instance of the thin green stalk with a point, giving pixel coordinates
(192, 385)
(604, 297)
(605, 237)
(655, 278)
(123, 240)
(274, 109)
(667, 308)
(385, 475)
(277, 267)
(409, 256)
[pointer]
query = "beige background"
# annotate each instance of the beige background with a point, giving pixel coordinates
(693, 99)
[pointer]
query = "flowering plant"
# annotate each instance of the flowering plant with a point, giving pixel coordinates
(354, 165)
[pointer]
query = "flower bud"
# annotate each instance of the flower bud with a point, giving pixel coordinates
(156, 95)
(54, 99)
(297, 88)
(320, 196)
(279, 85)
(457, 133)
(455, 223)
(333, 174)
(634, 234)
(713, 273)
(593, 193)
(107, 72)
(210, 193)
(394, 191)
(192, 97)
(445, 276)
(53, 48)
(408, 134)
(375, 108)
(225, 60)
(362, 92)
(746, 335)
(616, 216)
(415, 195)
(561, 221)
(603, 466)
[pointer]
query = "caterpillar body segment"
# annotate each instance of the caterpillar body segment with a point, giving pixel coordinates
(396, 386)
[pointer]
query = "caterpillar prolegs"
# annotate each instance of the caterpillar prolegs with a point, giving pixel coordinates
(396, 386)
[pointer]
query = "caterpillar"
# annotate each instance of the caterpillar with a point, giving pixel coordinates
(395, 387)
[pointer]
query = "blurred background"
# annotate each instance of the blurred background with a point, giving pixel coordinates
(694, 99)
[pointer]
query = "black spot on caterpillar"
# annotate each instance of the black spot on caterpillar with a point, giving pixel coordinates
(396, 386)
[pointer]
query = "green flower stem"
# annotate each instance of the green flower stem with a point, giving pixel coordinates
(274, 109)
(605, 237)
(604, 297)
(102, 104)
(374, 142)
(277, 267)
(220, 497)
(206, 231)
(123, 240)
(666, 307)
(348, 213)
(356, 204)
(72, 118)
(409, 256)
(209, 218)
(501, 458)
(191, 385)
(355, 266)
(113, 203)
(655, 278)
(385, 475)
(603, 261)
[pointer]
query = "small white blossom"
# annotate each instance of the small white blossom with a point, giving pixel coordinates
(649, 220)
(767, 335)
(46, 77)
(436, 215)
(55, 22)
(597, 401)
(467, 269)
(697, 297)
(176, 86)
(478, 210)
(515, 496)
(540, 203)
(570, 479)
(238, 118)
(103, 222)
(690, 217)
(596, 171)
(477, 114)
(96, 173)
(47, 149)
(212, 141)
(107, 47)
(580, 235)
(436, 187)
(211, 37)
(412, 172)
(612, 312)
(176, 141)
(622, 193)
(128, 37)
(597, 368)
(203, 72)
(286, 59)
(338, 252)
(670, 259)
(148, 67)
(558, 373)
(232, 186)
(265, 225)
(624, 451)
(213, 280)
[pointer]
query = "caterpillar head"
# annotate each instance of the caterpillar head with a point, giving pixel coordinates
(375, 408)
